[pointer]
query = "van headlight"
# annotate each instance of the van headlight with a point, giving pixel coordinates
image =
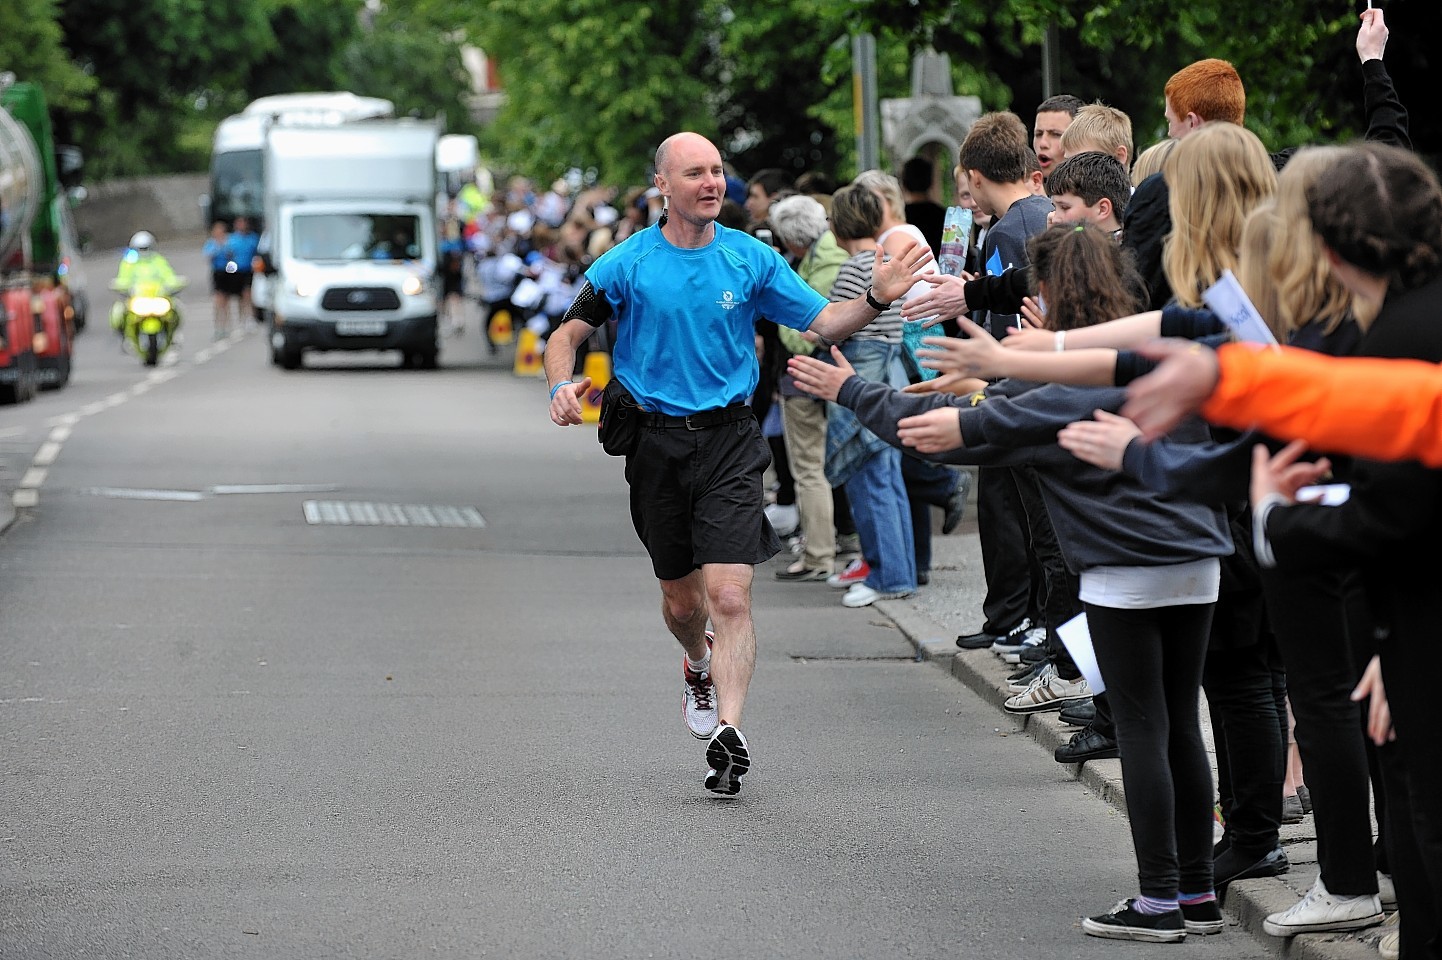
(304, 288)
(412, 287)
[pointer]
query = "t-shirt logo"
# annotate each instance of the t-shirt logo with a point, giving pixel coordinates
(727, 301)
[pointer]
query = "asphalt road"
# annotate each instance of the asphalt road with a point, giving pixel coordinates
(228, 732)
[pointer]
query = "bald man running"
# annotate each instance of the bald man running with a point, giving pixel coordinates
(685, 295)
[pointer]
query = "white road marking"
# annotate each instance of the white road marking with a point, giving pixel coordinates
(28, 495)
(242, 488)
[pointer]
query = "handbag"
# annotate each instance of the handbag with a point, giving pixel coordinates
(620, 428)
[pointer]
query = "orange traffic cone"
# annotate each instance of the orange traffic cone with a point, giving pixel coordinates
(501, 330)
(528, 354)
(598, 368)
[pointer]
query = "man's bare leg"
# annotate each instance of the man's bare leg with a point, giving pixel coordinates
(733, 657)
(683, 607)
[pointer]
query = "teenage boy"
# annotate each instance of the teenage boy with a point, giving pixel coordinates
(996, 161)
(1102, 129)
(1053, 116)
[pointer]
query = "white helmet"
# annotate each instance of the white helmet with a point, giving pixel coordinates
(142, 241)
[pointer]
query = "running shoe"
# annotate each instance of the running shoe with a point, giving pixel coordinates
(729, 758)
(698, 701)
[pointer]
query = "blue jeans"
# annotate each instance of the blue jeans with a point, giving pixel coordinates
(879, 504)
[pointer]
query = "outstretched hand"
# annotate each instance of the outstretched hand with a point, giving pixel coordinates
(819, 378)
(935, 431)
(1101, 442)
(978, 355)
(566, 404)
(1281, 474)
(956, 384)
(890, 279)
(946, 299)
(1179, 386)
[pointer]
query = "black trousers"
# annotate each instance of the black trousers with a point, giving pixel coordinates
(927, 485)
(1310, 617)
(1152, 662)
(1005, 546)
(1059, 601)
(1251, 751)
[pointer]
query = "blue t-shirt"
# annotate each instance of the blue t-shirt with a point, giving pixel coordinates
(686, 318)
(219, 253)
(244, 245)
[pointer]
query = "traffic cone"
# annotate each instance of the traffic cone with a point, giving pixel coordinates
(501, 330)
(598, 368)
(528, 355)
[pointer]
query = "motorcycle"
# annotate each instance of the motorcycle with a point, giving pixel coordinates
(148, 319)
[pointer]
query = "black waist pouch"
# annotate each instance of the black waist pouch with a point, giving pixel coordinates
(620, 428)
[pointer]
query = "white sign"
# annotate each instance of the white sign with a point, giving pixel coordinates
(1076, 636)
(1230, 303)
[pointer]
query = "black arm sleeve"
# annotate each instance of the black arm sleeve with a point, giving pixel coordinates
(1148, 222)
(1189, 323)
(590, 306)
(1386, 117)
(1001, 293)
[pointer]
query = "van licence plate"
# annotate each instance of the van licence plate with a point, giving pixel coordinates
(360, 328)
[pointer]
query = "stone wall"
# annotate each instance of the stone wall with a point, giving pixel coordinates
(168, 206)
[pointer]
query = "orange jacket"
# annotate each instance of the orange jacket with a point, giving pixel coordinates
(1378, 409)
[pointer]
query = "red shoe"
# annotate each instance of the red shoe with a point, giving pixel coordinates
(855, 572)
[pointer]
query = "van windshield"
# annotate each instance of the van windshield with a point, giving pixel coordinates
(235, 187)
(356, 236)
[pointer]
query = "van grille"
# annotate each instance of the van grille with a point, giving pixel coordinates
(360, 298)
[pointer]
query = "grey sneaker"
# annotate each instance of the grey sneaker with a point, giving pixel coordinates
(698, 701)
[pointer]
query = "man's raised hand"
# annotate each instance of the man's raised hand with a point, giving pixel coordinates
(890, 279)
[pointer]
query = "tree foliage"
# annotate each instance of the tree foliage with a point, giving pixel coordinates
(31, 47)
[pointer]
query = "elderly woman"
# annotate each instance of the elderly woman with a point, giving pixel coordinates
(800, 226)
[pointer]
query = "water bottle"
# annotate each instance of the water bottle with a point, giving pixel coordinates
(955, 238)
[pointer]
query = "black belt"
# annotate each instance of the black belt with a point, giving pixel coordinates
(702, 420)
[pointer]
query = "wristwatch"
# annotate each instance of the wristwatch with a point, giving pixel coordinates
(875, 304)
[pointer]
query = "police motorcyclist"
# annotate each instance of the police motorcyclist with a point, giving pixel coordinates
(144, 270)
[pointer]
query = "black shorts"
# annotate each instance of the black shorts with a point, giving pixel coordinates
(225, 283)
(696, 497)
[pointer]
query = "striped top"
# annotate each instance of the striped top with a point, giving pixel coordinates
(851, 282)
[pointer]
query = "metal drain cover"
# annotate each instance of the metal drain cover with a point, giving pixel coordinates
(353, 513)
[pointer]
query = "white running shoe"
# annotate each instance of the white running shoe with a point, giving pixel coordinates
(729, 758)
(1320, 911)
(698, 701)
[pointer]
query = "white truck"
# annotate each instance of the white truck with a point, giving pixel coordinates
(351, 239)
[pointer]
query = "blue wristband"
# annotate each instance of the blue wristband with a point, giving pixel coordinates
(559, 386)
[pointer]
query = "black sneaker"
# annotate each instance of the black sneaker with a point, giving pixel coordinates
(1233, 864)
(1203, 918)
(1086, 745)
(1123, 922)
(1079, 714)
(729, 759)
(981, 640)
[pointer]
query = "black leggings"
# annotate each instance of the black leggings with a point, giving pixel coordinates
(1152, 663)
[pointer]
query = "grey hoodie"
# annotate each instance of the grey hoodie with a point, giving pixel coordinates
(1102, 517)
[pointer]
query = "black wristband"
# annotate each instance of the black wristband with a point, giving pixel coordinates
(875, 304)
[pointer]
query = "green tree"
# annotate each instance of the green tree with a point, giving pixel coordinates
(410, 56)
(311, 38)
(161, 65)
(598, 83)
(31, 47)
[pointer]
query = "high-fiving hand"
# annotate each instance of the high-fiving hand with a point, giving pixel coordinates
(819, 378)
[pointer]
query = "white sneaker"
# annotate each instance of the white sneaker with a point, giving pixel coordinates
(1390, 946)
(1320, 911)
(784, 519)
(860, 595)
(1048, 693)
(698, 701)
(1386, 892)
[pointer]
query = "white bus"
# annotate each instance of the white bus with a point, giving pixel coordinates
(236, 174)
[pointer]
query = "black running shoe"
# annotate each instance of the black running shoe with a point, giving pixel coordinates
(1123, 922)
(729, 759)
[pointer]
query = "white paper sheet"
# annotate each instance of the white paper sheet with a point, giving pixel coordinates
(1076, 636)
